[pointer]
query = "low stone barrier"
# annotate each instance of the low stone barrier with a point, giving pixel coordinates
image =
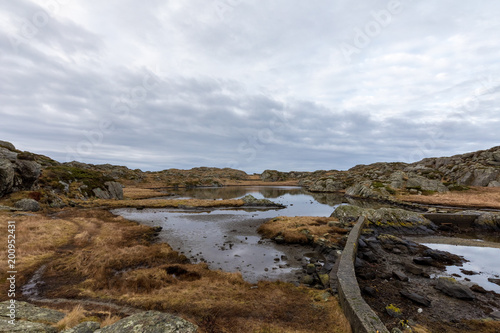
(362, 318)
(459, 220)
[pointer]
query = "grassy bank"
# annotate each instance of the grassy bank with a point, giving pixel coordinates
(91, 253)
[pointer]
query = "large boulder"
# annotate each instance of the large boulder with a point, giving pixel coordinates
(27, 205)
(114, 190)
(151, 322)
(27, 173)
(6, 176)
(7, 145)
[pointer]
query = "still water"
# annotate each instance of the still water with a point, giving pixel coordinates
(482, 260)
(227, 239)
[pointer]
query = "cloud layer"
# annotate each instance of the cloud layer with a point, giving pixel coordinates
(280, 84)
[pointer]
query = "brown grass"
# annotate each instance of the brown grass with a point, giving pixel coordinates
(476, 197)
(141, 193)
(303, 229)
(91, 253)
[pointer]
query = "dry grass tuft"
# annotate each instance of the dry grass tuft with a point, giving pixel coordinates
(303, 229)
(72, 319)
(110, 320)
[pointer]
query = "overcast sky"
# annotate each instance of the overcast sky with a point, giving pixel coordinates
(254, 85)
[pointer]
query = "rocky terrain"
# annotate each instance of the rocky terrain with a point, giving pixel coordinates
(383, 180)
(402, 280)
(55, 184)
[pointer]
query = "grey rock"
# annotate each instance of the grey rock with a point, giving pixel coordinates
(454, 289)
(488, 221)
(418, 299)
(398, 179)
(425, 184)
(482, 177)
(7, 145)
(413, 269)
(115, 190)
(85, 327)
(398, 275)
(364, 190)
(495, 281)
(25, 327)
(496, 156)
(28, 205)
(372, 292)
(478, 289)
(31, 312)
(101, 194)
(494, 183)
(151, 322)
(8, 155)
(250, 200)
(27, 173)
(495, 315)
(6, 177)
(427, 261)
(443, 256)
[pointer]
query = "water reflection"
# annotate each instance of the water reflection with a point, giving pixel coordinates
(482, 260)
(232, 192)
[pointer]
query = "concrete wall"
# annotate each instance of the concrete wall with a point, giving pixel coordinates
(362, 318)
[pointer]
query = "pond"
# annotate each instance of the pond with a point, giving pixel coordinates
(227, 239)
(482, 261)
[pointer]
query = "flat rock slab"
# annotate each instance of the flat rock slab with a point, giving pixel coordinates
(415, 298)
(25, 327)
(31, 312)
(151, 322)
(454, 289)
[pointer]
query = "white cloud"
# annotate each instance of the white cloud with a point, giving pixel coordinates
(234, 83)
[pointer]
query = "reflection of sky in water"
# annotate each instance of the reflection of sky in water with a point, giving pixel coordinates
(484, 260)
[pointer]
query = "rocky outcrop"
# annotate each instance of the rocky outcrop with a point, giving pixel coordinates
(17, 170)
(27, 318)
(481, 168)
(387, 219)
(151, 322)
